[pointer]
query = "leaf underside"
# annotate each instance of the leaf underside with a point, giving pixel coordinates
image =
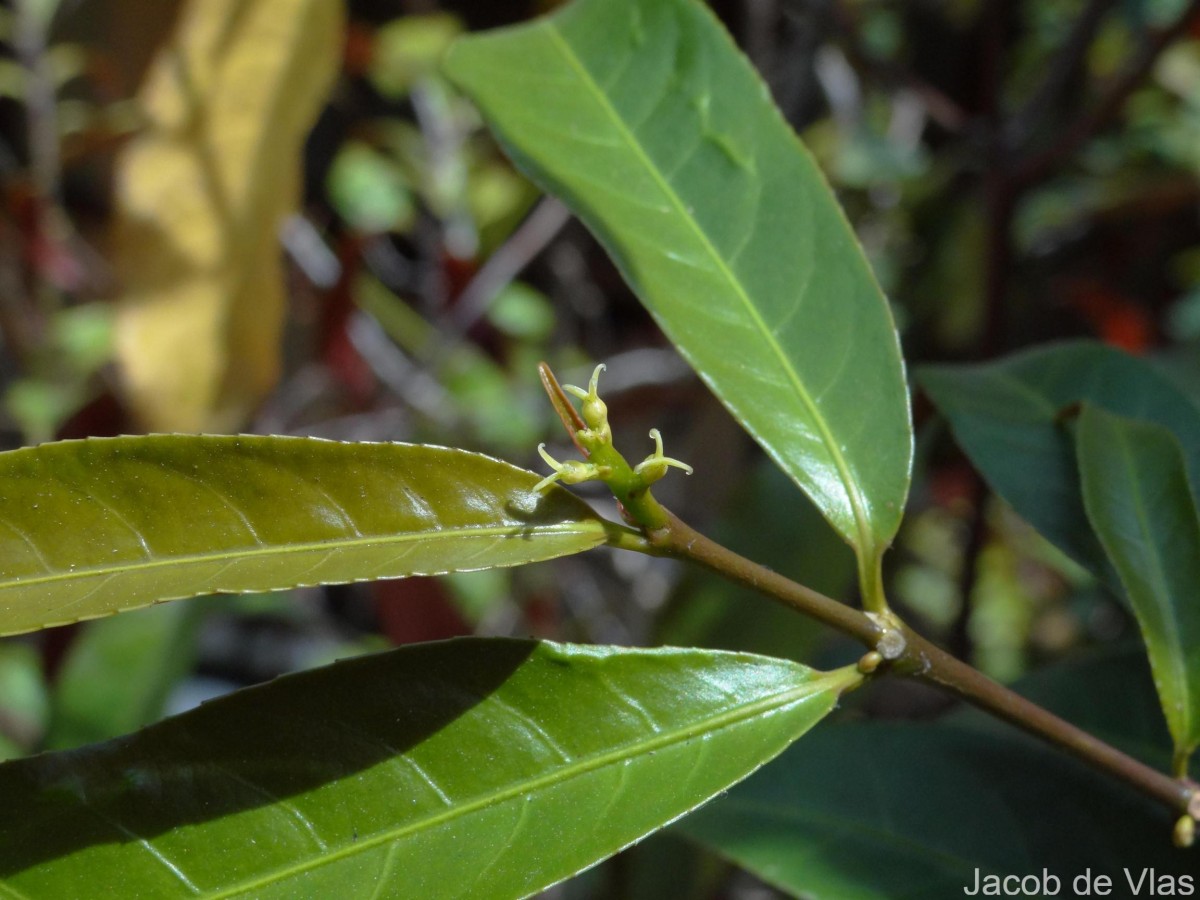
(93, 527)
(467, 768)
(644, 118)
(1138, 497)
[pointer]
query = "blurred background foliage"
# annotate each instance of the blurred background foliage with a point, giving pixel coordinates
(276, 216)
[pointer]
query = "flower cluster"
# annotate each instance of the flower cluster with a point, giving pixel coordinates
(604, 462)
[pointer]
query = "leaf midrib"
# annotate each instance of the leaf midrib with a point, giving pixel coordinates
(286, 549)
(710, 725)
(1170, 635)
(849, 484)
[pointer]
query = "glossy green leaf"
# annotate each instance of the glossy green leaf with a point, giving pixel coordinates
(94, 527)
(467, 768)
(645, 119)
(1139, 500)
(1008, 417)
(909, 811)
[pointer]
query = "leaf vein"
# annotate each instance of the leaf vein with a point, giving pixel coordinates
(849, 484)
(719, 721)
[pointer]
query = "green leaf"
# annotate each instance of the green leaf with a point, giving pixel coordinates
(1006, 416)
(408, 49)
(523, 312)
(104, 525)
(368, 190)
(907, 811)
(645, 119)
(468, 768)
(24, 700)
(119, 673)
(1139, 500)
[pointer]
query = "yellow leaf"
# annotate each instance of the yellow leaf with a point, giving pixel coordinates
(201, 194)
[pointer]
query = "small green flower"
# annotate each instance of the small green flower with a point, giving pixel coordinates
(594, 411)
(572, 471)
(630, 485)
(654, 466)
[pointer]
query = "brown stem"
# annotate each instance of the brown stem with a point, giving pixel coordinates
(681, 541)
(923, 660)
(939, 668)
